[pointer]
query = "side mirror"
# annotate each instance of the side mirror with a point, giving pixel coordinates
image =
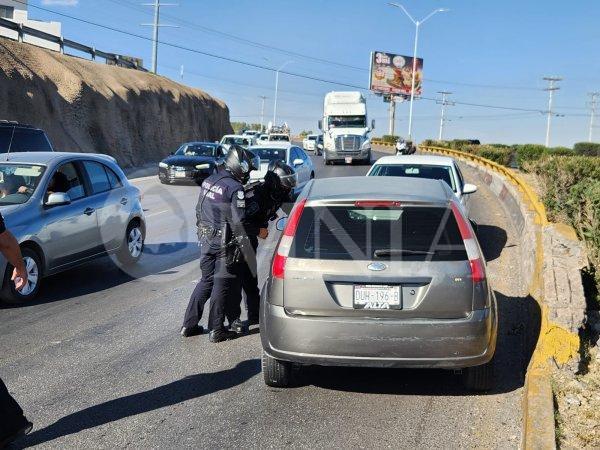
(171, 153)
(298, 162)
(57, 199)
(320, 125)
(372, 124)
(320, 146)
(469, 188)
(280, 224)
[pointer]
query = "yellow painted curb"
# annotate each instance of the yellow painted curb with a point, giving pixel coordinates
(554, 342)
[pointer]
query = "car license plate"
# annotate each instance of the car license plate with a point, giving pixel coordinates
(377, 297)
(179, 174)
(348, 159)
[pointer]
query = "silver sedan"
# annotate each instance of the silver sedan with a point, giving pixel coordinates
(66, 209)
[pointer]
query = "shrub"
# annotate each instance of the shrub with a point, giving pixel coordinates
(502, 156)
(528, 152)
(389, 138)
(587, 149)
(572, 195)
(559, 151)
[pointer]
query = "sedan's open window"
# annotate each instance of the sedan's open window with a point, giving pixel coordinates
(66, 179)
(18, 182)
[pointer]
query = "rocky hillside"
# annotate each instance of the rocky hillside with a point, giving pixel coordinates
(89, 106)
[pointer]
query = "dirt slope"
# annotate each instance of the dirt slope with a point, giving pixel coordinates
(89, 106)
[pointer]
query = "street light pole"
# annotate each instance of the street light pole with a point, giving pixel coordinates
(262, 112)
(551, 88)
(277, 90)
(417, 24)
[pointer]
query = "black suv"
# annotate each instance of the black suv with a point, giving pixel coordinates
(17, 137)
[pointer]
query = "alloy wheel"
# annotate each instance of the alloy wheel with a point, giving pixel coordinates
(33, 273)
(135, 242)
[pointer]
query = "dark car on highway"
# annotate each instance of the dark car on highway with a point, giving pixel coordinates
(192, 162)
(16, 137)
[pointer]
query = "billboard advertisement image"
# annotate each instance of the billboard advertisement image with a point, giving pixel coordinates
(392, 74)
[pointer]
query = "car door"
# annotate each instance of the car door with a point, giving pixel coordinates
(109, 198)
(70, 234)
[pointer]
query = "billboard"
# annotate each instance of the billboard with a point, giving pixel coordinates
(392, 74)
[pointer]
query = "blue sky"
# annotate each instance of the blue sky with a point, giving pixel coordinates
(485, 51)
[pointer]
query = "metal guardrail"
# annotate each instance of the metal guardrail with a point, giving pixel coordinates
(110, 58)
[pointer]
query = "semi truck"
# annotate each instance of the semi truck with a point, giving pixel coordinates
(345, 129)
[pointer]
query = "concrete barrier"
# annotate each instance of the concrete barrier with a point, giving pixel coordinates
(551, 259)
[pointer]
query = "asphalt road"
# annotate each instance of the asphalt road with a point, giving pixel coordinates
(99, 363)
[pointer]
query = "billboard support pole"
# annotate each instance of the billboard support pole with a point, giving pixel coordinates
(412, 88)
(392, 115)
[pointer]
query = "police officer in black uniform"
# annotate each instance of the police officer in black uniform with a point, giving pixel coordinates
(220, 213)
(263, 201)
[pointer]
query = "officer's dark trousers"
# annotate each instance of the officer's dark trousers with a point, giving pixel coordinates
(249, 279)
(219, 283)
(11, 414)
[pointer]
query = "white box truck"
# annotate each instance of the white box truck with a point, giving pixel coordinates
(345, 130)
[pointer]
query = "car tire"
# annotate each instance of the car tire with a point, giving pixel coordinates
(479, 378)
(133, 244)
(33, 263)
(276, 373)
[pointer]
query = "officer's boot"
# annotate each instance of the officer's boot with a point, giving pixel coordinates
(220, 335)
(239, 327)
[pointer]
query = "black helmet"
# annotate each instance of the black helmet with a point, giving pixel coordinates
(238, 163)
(287, 175)
(255, 160)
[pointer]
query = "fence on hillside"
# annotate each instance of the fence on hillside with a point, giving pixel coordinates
(110, 58)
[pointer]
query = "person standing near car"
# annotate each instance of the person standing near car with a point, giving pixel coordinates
(13, 423)
(220, 213)
(263, 201)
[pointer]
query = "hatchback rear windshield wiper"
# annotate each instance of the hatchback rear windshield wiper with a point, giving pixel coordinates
(399, 251)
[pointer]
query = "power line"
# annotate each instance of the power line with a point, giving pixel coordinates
(255, 65)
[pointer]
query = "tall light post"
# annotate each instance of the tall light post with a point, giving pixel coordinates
(417, 24)
(262, 112)
(277, 90)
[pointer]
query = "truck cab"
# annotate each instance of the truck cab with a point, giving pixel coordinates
(345, 129)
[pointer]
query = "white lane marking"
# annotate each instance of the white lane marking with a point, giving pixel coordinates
(156, 213)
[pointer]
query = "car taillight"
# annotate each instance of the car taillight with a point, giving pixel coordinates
(283, 250)
(468, 237)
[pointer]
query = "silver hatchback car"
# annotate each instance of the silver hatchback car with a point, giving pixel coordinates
(379, 272)
(65, 209)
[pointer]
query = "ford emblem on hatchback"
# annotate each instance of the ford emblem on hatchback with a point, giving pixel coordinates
(377, 266)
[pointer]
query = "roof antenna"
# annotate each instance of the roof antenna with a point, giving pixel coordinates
(10, 144)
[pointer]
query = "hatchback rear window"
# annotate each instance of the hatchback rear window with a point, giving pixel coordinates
(414, 233)
(415, 171)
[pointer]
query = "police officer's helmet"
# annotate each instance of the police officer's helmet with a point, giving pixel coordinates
(255, 160)
(287, 175)
(238, 162)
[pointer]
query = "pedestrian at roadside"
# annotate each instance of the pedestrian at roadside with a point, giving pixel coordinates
(13, 423)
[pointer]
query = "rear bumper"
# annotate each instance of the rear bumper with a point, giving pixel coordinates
(423, 343)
